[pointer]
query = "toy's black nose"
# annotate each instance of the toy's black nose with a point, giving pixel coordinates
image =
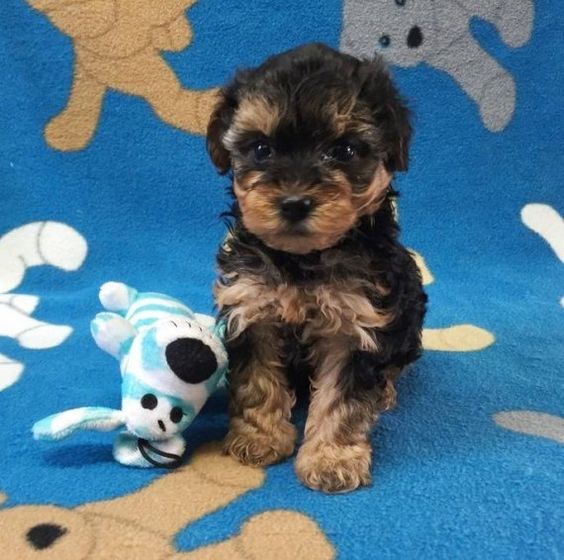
(414, 37)
(44, 535)
(190, 360)
(295, 208)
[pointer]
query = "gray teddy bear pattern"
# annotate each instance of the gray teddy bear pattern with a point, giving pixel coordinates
(437, 32)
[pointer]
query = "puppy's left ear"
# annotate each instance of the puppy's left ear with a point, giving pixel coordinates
(389, 110)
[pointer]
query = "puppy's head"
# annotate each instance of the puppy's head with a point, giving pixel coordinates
(312, 137)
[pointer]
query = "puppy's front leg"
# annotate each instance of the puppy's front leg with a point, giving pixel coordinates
(336, 454)
(260, 431)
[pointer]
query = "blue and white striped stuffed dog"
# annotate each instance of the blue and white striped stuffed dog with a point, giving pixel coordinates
(171, 360)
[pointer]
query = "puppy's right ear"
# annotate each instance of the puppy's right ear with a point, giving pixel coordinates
(221, 118)
(217, 127)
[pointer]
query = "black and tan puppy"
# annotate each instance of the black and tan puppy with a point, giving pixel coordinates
(313, 280)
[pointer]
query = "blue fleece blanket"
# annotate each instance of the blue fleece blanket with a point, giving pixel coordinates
(104, 175)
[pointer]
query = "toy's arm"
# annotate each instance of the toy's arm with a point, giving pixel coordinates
(59, 426)
(112, 333)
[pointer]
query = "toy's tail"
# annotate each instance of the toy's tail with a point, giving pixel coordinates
(63, 424)
(116, 296)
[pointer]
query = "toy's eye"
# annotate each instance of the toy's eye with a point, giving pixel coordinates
(176, 414)
(149, 401)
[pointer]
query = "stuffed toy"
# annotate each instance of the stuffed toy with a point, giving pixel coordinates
(171, 360)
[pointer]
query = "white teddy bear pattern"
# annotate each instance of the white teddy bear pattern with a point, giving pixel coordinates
(34, 244)
(437, 32)
(544, 220)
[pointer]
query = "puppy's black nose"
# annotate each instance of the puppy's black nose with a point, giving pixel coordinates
(295, 208)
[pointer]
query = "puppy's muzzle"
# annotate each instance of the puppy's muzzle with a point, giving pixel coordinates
(295, 209)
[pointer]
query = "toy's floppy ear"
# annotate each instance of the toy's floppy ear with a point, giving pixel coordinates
(112, 333)
(59, 426)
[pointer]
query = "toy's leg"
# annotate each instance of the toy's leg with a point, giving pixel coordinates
(112, 333)
(149, 76)
(482, 78)
(10, 371)
(513, 18)
(286, 534)
(73, 128)
(29, 332)
(130, 451)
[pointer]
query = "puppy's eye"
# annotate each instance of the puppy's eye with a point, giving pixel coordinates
(342, 151)
(262, 150)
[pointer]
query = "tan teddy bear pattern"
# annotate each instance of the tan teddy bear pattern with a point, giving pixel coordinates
(118, 45)
(143, 524)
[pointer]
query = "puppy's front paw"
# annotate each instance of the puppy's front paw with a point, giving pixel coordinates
(251, 447)
(334, 468)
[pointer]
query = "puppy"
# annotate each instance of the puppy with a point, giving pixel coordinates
(313, 280)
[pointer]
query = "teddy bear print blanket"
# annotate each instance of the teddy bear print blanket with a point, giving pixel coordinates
(104, 176)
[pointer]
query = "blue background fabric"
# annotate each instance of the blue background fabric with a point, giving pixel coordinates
(448, 481)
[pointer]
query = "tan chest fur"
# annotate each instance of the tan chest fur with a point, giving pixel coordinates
(323, 310)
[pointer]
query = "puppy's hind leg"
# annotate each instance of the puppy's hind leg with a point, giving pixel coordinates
(73, 128)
